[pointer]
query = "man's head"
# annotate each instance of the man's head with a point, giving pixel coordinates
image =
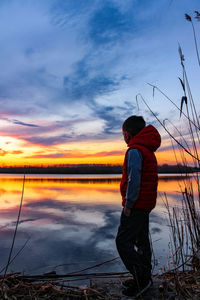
(132, 126)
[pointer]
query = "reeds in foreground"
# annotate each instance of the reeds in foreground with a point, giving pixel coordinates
(185, 220)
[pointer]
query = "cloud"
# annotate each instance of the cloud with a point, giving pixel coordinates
(155, 230)
(17, 122)
(53, 155)
(113, 116)
(24, 124)
(108, 153)
(3, 152)
(109, 25)
(23, 221)
(46, 141)
(66, 13)
(86, 83)
(15, 152)
(110, 119)
(77, 154)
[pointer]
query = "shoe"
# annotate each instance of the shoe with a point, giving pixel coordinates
(138, 289)
(128, 283)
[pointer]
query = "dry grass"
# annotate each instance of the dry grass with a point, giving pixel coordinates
(185, 221)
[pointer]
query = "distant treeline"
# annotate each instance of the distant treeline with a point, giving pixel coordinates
(88, 169)
(65, 169)
(176, 169)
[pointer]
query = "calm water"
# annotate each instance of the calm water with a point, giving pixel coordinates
(72, 221)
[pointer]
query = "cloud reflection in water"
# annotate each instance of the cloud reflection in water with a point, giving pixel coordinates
(70, 221)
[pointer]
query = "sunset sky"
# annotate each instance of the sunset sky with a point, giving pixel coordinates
(71, 69)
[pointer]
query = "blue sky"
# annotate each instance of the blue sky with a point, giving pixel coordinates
(70, 69)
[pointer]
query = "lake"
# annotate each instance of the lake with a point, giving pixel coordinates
(71, 221)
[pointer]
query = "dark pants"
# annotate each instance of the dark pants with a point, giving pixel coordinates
(133, 243)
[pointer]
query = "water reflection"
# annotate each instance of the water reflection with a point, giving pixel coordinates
(71, 221)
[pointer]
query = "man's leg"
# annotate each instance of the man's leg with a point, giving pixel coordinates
(144, 247)
(131, 232)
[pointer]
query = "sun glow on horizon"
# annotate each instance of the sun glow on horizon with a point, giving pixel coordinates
(17, 158)
(18, 152)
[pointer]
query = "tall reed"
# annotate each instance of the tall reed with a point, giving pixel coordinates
(185, 219)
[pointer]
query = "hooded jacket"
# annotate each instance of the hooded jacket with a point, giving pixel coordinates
(147, 141)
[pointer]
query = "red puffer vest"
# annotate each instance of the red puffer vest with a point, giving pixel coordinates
(147, 141)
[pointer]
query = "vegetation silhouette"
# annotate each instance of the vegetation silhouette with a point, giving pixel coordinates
(90, 169)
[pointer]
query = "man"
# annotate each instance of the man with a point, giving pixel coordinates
(139, 191)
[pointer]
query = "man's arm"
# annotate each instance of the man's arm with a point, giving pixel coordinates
(134, 162)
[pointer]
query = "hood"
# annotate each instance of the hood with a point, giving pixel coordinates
(148, 137)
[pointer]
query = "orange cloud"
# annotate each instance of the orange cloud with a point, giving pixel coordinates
(3, 152)
(77, 155)
(82, 152)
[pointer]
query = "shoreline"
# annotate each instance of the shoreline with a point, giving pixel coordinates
(85, 176)
(169, 285)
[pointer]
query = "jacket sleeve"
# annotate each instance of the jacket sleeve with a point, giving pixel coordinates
(134, 162)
